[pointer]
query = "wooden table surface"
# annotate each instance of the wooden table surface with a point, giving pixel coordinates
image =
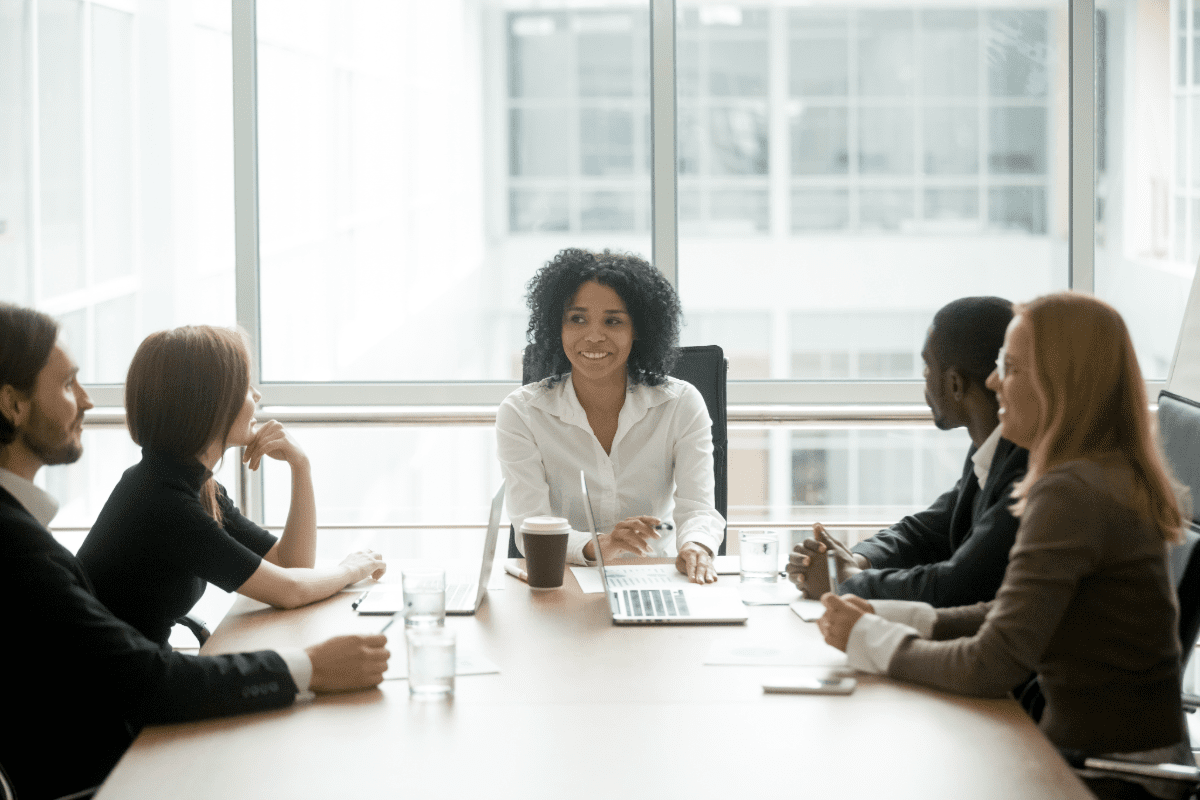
(584, 709)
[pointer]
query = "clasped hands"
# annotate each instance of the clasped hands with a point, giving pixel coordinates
(806, 564)
(633, 535)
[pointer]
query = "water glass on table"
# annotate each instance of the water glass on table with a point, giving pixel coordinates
(424, 597)
(759, 553)
(431, 662)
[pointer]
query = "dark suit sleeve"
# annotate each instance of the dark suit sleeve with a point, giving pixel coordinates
(917, 539)
(144, 682)
(971, 574)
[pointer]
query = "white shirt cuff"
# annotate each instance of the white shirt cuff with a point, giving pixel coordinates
(300, 665)
(921, 616)
(873, 642)
(575, 545)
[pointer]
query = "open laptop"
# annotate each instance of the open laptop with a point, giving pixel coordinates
(655, 604)
(463, 598)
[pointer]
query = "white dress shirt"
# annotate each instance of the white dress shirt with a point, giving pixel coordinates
(981, 461)
(660, 465)
(43, 507)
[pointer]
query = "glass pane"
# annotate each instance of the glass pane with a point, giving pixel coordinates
(739, 212)
(820, 209)
(886, 59)
(1017, 141)
(60, 137)
(134, 178)
(1017, 45)
(896, 143)
(112, 143)
(1141, 256)
(819, 141)
(1021, 208)
(951, 137)
(606, 142)
(885, 209)
(538, 211)
(952, 204)
(950, 52)
(738, 141)
(420, 161)
(15, 152)
(539, 142)
(885, 138)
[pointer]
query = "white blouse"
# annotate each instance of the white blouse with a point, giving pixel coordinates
(661, 464)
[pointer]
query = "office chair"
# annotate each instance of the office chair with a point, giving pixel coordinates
(8, 792)
(196, 626)
(705, 368)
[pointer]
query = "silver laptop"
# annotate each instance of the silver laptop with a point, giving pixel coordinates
(462, 598)
(655, 604)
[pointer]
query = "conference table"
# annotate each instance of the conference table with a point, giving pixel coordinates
(581, 708)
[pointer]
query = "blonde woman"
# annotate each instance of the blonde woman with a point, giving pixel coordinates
(1087, 601)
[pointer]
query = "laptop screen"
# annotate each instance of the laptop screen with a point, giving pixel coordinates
(587, 507)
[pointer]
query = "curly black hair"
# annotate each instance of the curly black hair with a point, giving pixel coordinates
(650, 300)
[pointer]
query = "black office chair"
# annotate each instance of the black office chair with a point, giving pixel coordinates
(705, 368)
(196, 626)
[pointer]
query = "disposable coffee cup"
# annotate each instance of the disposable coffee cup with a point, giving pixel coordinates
(545, 540)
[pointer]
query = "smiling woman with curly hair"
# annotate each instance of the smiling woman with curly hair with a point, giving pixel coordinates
(604, 328)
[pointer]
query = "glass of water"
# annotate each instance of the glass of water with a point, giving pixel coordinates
(424, 597)
(759, 551)
(431, 662)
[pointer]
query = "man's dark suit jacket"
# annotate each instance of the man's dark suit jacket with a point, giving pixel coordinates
(80, 683)
(953, 553)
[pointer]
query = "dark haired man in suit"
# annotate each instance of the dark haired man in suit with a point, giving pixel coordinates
(953, 553)
(86, 681)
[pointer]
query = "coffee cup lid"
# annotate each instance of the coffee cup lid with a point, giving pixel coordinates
(545, 525)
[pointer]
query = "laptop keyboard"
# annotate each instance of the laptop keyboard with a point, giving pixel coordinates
(655, 602)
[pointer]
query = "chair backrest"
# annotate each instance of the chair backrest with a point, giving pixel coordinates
(705, 368)
(1179, 434)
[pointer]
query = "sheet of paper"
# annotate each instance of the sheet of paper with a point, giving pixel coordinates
(808, 610)
(728, 565)
(465, 662)
(780, 593)
(627, 575)
(743, 652)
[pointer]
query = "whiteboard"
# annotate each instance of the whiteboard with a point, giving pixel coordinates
(1184, 378)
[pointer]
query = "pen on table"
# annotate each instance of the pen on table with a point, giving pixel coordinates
(390, 621)
(517, 572)
(354, 606)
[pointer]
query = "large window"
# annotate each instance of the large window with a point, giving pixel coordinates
(841, 170)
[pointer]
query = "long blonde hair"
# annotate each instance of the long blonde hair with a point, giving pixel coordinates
(1093, 398)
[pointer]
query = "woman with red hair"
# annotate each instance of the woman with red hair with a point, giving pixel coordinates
(1087, 601)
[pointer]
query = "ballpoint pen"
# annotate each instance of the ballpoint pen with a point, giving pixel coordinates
(354, 606)
(517, 572)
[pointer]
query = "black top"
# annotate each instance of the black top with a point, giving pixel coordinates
(154, 548)
(81, 683)
(953, 553)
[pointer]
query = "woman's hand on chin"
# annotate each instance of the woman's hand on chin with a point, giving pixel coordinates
(272, 439)
(696, 562)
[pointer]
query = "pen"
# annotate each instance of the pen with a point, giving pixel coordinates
(664, 526)
(517, 572)
(354, 606)
(390, 621)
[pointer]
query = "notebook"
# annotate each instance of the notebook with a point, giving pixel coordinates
(658, 603)
(462, 598)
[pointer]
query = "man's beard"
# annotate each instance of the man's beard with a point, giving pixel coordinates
(48, 442)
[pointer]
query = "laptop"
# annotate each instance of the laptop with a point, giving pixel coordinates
(463, 598)
(656, 604)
